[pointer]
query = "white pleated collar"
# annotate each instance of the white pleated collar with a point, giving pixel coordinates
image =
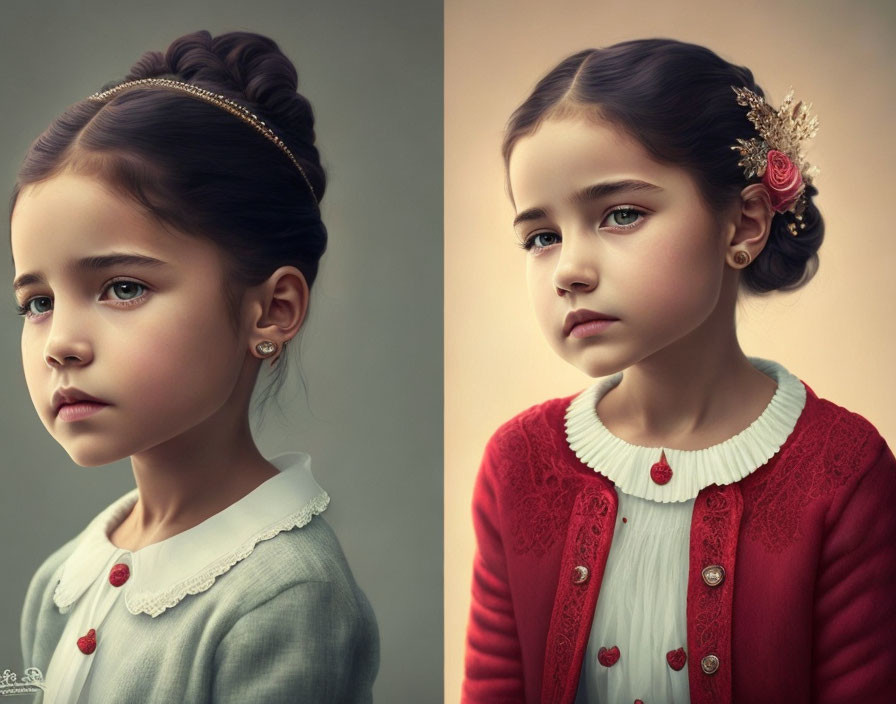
(629, 466)
(163, 573)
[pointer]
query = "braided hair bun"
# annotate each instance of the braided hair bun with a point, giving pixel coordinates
(251, 69)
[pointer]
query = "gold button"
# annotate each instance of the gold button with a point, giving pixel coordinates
(580, 575)
(713, 575)
(710, 664)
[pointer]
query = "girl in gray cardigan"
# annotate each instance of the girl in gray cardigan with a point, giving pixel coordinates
(166, 232)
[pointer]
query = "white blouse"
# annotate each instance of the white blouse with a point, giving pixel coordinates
(637, 648)
(157, 577)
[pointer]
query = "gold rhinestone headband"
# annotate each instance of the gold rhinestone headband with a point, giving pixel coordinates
(779, 147)
(220, 101)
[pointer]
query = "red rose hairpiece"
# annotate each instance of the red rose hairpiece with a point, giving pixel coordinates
(776, 156)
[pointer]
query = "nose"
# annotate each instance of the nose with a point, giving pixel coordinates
(67, 343)
(576, 270)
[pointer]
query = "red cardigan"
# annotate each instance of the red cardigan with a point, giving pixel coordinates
(806, 611)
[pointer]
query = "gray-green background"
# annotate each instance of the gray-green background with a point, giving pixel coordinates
(372, 348)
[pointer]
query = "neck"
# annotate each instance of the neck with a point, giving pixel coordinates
(190, 478)
(694, 393)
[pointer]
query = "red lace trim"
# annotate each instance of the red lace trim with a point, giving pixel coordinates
(714, 531)
(813, 466)
(587, 543)
(534, 464)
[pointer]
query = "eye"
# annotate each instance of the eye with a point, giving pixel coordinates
(35, 307)
(126, 290)
(540, 240)
(624, 218)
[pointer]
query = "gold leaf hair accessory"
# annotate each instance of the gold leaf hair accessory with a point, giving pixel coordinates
(776, 156)
(221, 101)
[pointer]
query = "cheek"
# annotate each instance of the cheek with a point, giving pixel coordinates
(194, 349)
(540, 283)
(33, 363)
(686, 277)
(175, 385)
(37, 373)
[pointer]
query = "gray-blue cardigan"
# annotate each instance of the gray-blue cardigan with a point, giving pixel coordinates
(287, 623)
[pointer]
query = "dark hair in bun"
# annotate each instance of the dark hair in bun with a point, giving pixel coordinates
(675, 98)
(198, 168)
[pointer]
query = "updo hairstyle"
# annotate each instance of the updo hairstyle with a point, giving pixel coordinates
(676, 100)
(194, 166)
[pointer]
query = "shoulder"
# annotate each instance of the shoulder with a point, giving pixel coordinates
(305, 617)
(541, 427)
(528, 471)
(550, 413)
(309, 553)
(834, 457)
(854, 465)
(843, 441)
(292, 565)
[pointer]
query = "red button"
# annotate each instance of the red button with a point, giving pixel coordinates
(119, 574)
(661, 472)
(87, 644)
(676, 658)
(608, 656)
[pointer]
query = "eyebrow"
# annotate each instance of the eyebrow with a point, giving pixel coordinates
(589, 194)
(95, 262)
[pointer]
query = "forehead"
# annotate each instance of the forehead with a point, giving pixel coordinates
(570, 153)
(69, 215)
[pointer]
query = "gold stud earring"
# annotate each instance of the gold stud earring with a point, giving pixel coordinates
(266, 348)
(742, 258)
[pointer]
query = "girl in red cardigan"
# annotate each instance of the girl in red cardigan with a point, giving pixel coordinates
(698, 526)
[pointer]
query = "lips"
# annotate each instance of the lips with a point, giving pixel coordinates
(577, 317)
(64, 397)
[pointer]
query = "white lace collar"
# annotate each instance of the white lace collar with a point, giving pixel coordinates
(629, 466)
(163, 573)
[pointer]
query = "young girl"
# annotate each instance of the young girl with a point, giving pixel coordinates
(165, 233)
(698, 526)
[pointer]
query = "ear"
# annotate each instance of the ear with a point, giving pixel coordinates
(752, 224)
(277, 307)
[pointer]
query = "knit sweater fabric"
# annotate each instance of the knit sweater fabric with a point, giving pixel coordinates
(802, 549)
(257, 603)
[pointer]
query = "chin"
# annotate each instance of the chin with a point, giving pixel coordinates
(93, 456)
(597, 363)
(596, 371)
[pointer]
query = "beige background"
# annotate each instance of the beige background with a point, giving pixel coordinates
(836, 334)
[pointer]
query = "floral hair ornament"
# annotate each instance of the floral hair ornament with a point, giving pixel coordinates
(776, 156)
